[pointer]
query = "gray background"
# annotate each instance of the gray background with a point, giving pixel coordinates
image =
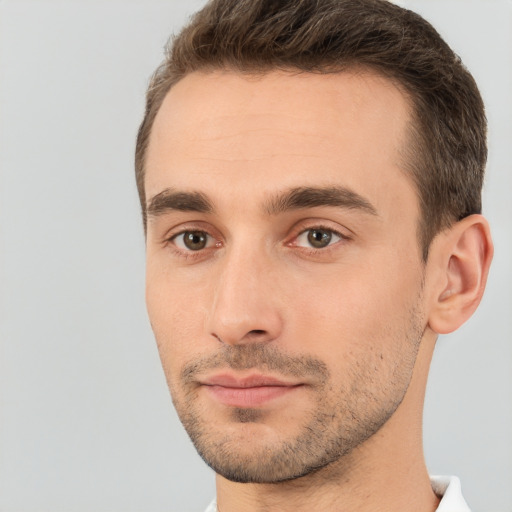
(86, 422)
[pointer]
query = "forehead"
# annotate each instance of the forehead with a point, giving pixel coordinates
(278, 129)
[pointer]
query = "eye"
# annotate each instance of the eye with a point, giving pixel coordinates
(317, 238)
(193, 240)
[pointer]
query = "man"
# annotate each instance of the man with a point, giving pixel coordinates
(310, 175)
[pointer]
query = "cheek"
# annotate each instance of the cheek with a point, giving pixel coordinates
(351, 310)
(174, 312)
(173, 298)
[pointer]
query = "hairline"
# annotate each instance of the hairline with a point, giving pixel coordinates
(413, 137)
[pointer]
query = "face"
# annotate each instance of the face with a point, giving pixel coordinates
(284, 276)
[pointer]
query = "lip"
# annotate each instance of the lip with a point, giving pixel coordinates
(246, 392)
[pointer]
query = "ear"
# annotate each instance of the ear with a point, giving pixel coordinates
(459, 262)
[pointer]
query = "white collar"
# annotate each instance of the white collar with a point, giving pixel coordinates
(448, 489)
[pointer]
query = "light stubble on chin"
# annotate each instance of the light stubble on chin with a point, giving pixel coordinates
(338, 420)
(270, 463)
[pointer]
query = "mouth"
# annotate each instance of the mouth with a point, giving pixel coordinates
(246, 392)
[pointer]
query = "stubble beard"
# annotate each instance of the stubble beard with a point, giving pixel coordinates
(339, 420)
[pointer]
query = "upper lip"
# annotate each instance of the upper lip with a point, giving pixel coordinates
(251, 381)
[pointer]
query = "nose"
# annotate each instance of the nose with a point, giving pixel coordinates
(245, 306)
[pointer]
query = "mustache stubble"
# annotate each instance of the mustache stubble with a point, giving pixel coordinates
(259, 356)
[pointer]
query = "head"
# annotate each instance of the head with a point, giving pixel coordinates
(309, 175)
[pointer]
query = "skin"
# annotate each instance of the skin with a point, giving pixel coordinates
(348, 328)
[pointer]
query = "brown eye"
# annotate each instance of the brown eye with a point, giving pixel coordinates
(319, 238)
(192, 240)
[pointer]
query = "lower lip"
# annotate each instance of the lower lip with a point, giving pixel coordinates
(248, 397)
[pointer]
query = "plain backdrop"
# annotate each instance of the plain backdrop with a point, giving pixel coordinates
(86, 421)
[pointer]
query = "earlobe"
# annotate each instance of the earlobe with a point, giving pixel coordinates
(462, 256)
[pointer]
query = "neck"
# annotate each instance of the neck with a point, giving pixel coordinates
(387, 472)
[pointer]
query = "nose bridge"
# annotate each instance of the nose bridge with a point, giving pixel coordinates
(243, 306)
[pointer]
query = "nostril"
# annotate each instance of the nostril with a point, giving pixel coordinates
(257, 331)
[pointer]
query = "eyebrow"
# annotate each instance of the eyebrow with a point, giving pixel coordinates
(297, 198)
(169, 200)
(310, 197)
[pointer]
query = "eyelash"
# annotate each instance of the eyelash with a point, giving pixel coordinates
(313, 250)
(189, 254)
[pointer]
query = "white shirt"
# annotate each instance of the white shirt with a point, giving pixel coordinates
(446, 487)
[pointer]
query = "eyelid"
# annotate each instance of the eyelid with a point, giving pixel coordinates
(188, 226)
(181, 245)
(172, 234)
(343, 233)
(321, 224)
(216, 241)
(303, 233)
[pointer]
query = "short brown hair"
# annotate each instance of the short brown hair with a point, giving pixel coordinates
(446, 149)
